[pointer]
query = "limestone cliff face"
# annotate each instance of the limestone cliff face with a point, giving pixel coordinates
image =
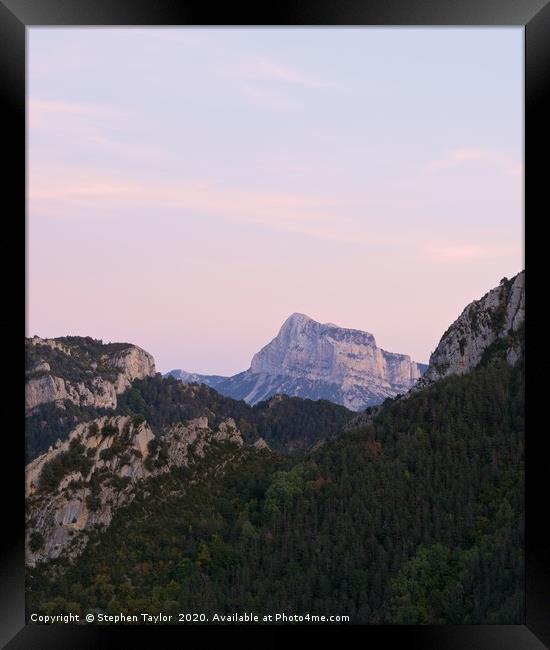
(319, 361)
(80, 484)
(329, 353)
(83, 371)
(133, 363)
(49, 388)
(498, 315)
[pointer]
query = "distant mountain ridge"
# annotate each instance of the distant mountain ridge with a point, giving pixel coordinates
(318, 361)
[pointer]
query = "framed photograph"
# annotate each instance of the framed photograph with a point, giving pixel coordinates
(275, 323)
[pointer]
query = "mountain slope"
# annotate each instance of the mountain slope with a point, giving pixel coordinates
(78, 486)
(81, 370)
(72, 379)
(415, 518)
(318, 361)
(285, 423)
(159, 424)
(498, 316)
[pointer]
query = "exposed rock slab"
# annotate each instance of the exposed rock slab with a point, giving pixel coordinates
(98, 380)
(113, 454)
(318, 361)
(499, 314)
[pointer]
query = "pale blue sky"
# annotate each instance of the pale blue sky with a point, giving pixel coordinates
(190, 188)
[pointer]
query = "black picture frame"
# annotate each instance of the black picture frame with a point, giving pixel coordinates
(15, 17)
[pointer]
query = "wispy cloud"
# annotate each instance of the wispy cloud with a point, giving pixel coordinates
(63, 193)
(264, 69)
(443, 253)
(268, 83)
(54, 113)
(46, 116)
(96, 131)
(72, 108)
(462, 156)
(268, 98)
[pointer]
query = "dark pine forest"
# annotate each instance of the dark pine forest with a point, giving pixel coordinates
(416, 517)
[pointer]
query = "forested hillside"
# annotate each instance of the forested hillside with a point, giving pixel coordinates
(285, 423)
(73, 379)
(415, 518)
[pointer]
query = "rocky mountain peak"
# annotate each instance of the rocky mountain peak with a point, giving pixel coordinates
(305, 347)
(498, 316)
(298, 323)
(296, 320)
(318, 361)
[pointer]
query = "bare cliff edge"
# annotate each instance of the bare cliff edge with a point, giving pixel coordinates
(496, 318)
(81, 370)
(78, 486)
(318, 361)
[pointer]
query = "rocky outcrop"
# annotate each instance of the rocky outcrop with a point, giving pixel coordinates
(319, 361)
(132, 363)
(84, 373)
(54, 344)
(261, 444)
(78, 486)
(48, 388)
(498, 316)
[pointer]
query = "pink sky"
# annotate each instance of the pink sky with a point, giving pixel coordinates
(189, 189)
